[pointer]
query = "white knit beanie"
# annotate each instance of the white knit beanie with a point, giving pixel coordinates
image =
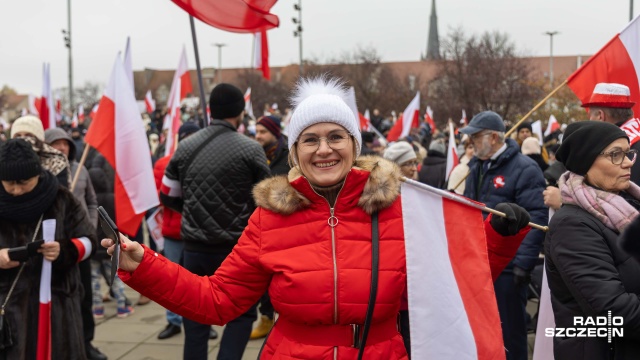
(318, 100)
(400, 152)
(28, 124)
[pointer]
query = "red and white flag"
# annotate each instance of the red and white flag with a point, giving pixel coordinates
(180, 87)
(248, 107)
(452, 153)
(452, 303)
(552, 125)
(117, 132)
(464, 120)
(80, 114)
(617, 62)
(409, 119)
(128, 62)
(428, 118)
(261, 53)
(33, 105)
(58, 105)
(149, 102)
(74, 121)
(241, 16)
(94, 111)
(44, 104)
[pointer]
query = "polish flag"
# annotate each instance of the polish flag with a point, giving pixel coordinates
(149, 102)
(117, 132)
(180, 87)
(94, 111)
(58, 108)
(33, 105)
(464, 120)
(365, 123)
(428, 117)
(402, 127)
(452, 153)
(452, 303)
(552, 125)
(240, 16)
(43, 348)
(74, 121)
(128, 63)
(80, 114)
(261, 53)
(617, 62)
(44, 104)
(248, 107)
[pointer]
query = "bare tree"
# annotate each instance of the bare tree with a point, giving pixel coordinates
(263, 91)
(479, 73)
(86, 95)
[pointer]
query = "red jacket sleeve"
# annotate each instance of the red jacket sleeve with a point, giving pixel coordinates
(232, 290)
(501, 249)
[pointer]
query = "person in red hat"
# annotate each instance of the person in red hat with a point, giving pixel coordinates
(610, 103)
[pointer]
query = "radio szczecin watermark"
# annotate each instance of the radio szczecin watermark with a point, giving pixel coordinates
(591, 327)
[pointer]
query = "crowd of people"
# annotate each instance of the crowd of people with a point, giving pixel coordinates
(279, 216)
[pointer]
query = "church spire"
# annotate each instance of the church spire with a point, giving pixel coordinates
(433, 44)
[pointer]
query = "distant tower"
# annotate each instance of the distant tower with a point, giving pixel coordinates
(433, 44)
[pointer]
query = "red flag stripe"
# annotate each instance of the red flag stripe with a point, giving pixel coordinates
(83, 245)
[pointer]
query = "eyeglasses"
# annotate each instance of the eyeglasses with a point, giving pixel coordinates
(336, 140)
(410, 163)
(476, 137)
(617, 156)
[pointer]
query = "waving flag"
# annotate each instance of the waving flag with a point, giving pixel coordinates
(81, 114)
(240, 16)
(128, 63)
(261, 52)
(428, 117)
(94, 111)
(149, 102)
(452, 153)
(617, 62)
(552, 126)
(117, 132)
(180, 87)
(44, 104)
(408, 120)
(452, 304)
(248, 107)
(464, 120)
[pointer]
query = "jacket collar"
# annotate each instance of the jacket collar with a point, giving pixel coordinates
(216, 122)
(372, 184)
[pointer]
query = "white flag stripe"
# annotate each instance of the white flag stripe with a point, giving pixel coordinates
(536, 126)
(630, 38)
(407, 115)
(49, 235)
(437, 287)
(87, 247)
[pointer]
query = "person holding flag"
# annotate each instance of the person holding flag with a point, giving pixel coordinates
(40, 307)
(313, 244)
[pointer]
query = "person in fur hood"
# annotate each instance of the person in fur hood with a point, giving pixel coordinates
(309, 244)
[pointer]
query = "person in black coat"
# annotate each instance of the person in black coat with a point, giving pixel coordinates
(434, 166)
(269, 135)
(588, 272)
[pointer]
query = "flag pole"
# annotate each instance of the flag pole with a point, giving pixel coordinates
(204, 122)
(463, 200)
(553, 92)
(83, 159)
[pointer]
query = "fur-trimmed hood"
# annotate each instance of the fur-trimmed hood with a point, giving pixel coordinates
(380, 191)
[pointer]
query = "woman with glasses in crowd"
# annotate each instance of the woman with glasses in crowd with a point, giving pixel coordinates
(309, 244)
(589, 275)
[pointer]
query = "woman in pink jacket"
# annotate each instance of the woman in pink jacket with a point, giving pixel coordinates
(309, 244)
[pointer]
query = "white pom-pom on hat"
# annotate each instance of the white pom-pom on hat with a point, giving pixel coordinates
(321, 99)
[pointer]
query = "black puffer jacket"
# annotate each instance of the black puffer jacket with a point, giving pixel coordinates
(215, 198)
(588, 275)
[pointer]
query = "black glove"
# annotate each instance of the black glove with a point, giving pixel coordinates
(516, 219)
(521, 276)
(630, 238)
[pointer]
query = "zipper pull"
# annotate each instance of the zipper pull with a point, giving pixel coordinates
(332, 221)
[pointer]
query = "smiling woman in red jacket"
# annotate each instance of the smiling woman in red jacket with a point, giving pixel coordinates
(309, 245)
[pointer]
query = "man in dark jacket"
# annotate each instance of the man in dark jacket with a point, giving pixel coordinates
(209, 179)
(500, 173)
(434, 166)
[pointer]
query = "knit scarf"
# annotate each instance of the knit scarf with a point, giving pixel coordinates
(271, 150)
(612, 209)
(28, 207)
(51, 159)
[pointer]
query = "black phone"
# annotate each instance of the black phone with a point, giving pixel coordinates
(23, 253)
(111, 230)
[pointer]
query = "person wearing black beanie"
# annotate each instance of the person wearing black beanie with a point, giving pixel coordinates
(226, 102)
(29, 196)
(524, 131)
(585, 257)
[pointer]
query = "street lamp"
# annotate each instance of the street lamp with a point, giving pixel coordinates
(220, 46)
(67, 43)
(551, 34)
(630, 10)
(298, 31)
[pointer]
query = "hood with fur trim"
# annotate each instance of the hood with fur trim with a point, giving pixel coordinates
(380, 191)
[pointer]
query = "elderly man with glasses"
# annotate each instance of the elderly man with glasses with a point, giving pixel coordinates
(500, 173)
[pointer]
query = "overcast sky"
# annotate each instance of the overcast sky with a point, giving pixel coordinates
(30, 32)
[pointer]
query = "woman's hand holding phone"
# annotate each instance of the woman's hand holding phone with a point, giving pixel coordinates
(5, 261)
(131, 252)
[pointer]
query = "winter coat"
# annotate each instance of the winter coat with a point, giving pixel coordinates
(589, 275)
(515, 178)
(317, 276)
(171, 219)
(280, 163)
(213, 192)
(433, 171)
(66, 289)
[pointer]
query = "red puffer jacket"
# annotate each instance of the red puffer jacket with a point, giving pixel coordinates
(318, 276)
(171, 220)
